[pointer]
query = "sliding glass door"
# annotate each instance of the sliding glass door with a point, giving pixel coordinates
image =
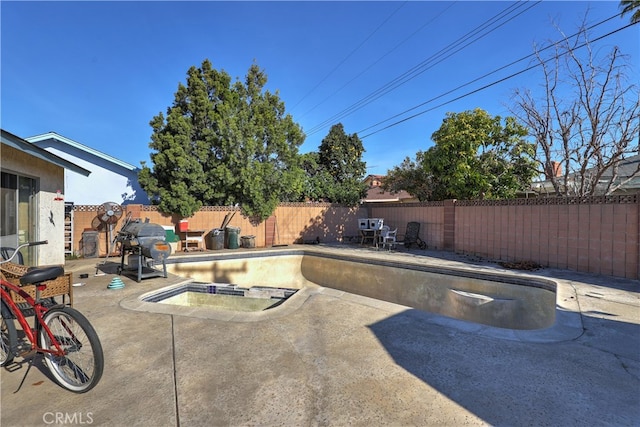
(18, 213)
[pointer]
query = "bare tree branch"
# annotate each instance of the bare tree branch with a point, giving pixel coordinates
(586, 118)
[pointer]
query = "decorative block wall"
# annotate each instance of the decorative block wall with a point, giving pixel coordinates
(598, 235)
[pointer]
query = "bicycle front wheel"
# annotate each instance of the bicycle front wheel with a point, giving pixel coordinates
(80, 369)
(8, 337)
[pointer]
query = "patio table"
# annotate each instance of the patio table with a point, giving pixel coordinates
(372, 234)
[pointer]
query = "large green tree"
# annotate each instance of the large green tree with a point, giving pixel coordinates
(475, 156)
(318, 182)
(340, 168)
(223, 143)
(412, 177)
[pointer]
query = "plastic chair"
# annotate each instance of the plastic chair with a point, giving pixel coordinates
(388, 237)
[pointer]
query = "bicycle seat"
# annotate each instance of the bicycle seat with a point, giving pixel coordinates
(39, 275)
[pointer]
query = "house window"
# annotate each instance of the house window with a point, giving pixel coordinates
(18, 212)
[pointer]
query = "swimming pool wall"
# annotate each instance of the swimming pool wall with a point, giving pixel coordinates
(264, 268)
(495, 301)
(500, 300)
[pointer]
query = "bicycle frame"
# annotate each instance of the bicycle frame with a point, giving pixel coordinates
(70, 346)
(39, 311)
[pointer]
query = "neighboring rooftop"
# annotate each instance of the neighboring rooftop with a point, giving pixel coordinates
(375, 193)
(623, 179)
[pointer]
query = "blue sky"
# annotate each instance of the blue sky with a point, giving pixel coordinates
(97, 72)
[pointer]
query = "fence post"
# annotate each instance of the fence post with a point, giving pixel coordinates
(449, 222)
(135, 211)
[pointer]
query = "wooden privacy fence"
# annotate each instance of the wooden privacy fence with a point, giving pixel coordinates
(598, 235)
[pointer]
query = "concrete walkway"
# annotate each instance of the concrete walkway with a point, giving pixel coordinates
(341, 360)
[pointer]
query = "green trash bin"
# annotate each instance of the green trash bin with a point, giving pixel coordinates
(232, 234)
(170, 235)
(171, 238)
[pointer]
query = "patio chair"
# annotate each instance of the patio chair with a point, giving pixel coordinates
(388, 237)
(412, 237)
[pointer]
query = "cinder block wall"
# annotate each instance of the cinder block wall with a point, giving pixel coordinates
(430, 215)
(598, 235)
(290, 223)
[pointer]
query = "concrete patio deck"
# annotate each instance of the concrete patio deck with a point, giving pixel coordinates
(341, 359)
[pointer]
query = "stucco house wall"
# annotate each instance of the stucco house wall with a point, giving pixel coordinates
(18, 157)
(51, 212)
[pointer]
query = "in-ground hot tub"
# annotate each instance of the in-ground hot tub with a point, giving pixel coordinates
(222, 296)
(494, 299)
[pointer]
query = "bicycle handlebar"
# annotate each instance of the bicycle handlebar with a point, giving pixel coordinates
(16, 250)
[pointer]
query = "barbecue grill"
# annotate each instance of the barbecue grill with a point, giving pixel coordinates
(145, 245)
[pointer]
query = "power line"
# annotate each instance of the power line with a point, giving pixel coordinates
(425, 65)
(379, 59)
(486, 75)
(348, 56)
(493, 83)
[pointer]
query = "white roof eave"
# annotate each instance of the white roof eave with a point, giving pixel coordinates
(52, 135)
(21, 144)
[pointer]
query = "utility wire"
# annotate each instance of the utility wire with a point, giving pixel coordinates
(379, 59)
(495, 82)
(422, 67)
(524, 58)
(348, 56)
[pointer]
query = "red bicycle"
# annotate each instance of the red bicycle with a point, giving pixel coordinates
(69, 344)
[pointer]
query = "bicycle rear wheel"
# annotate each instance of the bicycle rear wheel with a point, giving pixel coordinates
(80, 369)
(8, 336)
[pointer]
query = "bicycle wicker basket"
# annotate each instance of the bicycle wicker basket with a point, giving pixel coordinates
(60, 286)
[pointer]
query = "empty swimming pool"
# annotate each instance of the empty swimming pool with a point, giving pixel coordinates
(494, 299)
